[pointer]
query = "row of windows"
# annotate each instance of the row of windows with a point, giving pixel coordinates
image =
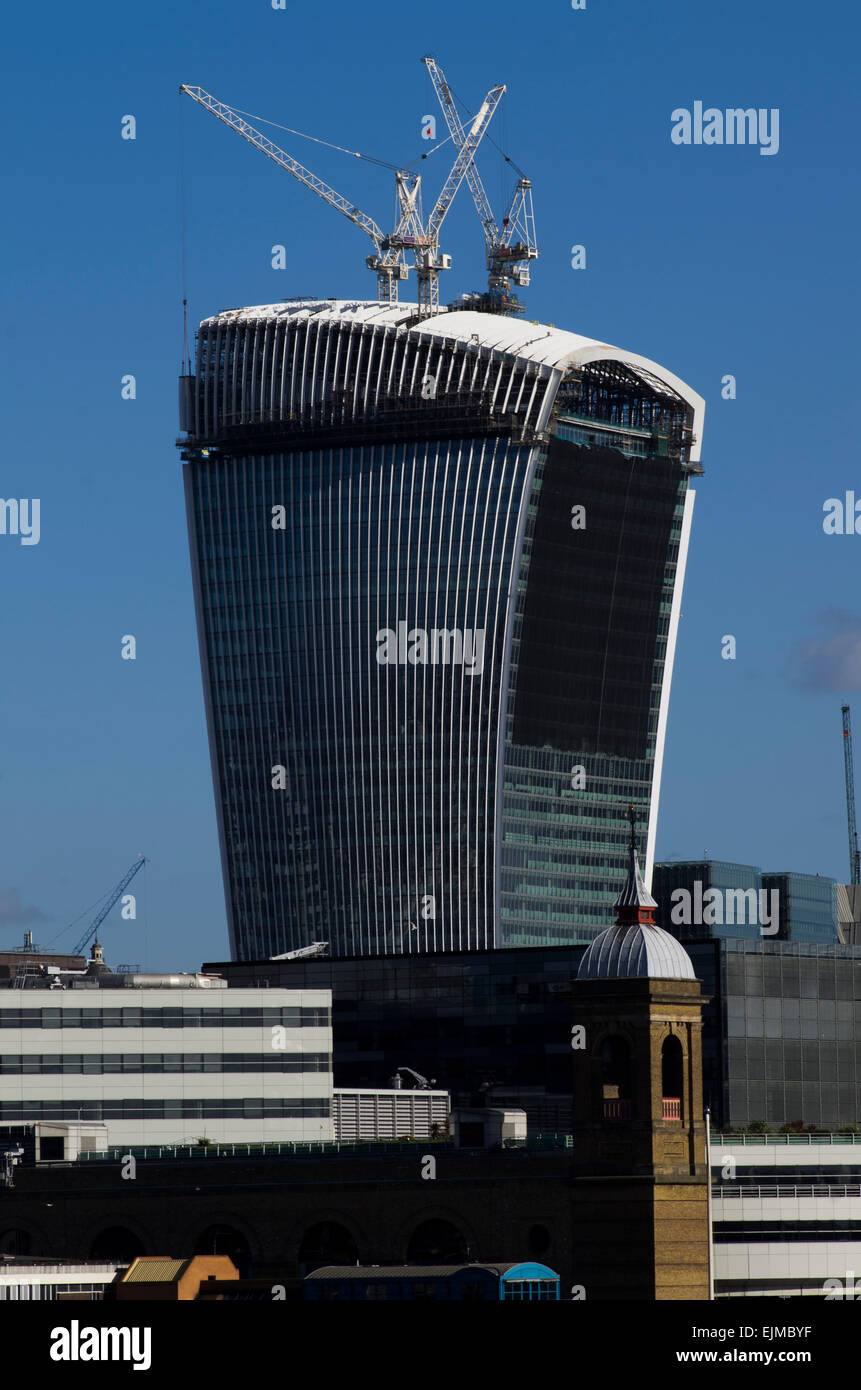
(170, 1017)
(34, 1293)
(104, 1063)
(530, 1289)
(252, 1108)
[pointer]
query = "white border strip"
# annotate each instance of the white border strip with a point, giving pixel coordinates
(675, 614)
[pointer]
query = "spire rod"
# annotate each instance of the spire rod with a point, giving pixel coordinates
(635, 903)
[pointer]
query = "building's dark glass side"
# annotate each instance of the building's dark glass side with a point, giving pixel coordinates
(781, 1028)
(588, 650)
(587, 645)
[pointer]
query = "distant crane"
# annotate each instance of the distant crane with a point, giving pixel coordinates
(422, 1083)
(849, 768)
(510, 250)
(103, 911)
(316, 949)
(410, 235)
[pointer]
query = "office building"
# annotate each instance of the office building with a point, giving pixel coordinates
(706, 899)
(165, 1059)
(786, 1216)
(437, 568)
(807, 906)
(781, 1026)
(701, 900)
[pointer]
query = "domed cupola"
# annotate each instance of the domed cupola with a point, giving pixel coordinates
(635, 947)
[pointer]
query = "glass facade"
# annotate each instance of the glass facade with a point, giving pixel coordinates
(781, 1026)
(699, 901)
(808, 906)
(484, 1025)
(792, 1024)
(381, 834)
(708, 899)
(434, 624)
(588, 653)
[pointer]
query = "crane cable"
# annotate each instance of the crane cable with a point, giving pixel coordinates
(384, 164)
(86, 912)
(357, 154)
(183, 237)
(488, 136)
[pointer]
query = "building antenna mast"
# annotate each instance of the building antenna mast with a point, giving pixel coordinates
(849, 767)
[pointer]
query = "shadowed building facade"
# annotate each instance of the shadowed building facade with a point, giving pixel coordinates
(437, 568)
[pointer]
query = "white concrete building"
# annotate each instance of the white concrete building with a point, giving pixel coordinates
(164, 1063)
(786, 1216)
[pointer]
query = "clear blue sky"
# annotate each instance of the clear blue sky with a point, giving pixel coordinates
(712, 260)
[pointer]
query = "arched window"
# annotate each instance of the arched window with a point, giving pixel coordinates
(437, 1242)
(616, 1079)
(326, 1243)
(672, 1078)
(116, 1243)
(224, 1240)
(15, 1242)
(538, 1240)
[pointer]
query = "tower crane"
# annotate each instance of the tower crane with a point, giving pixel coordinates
(849, 769)
(105, 909)
(509, 251)
(410, 235)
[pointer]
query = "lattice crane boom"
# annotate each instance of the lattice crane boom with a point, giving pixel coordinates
(458, 135)
(285, 161)
(105, 909)
(429, 263)
(465, 157)
(385, 264)
(510, 249)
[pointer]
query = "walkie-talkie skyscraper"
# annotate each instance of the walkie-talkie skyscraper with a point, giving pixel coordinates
(438, 562)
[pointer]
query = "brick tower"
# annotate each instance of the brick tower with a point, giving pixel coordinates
(640, 1196)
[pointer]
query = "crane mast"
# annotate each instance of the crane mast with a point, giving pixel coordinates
(410, 235)
(508, 252)
(849, 769)
(428, 271)
(103, 912)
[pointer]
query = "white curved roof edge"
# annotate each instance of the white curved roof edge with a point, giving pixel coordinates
(554, 348)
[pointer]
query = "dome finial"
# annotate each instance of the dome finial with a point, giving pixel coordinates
(636, 946)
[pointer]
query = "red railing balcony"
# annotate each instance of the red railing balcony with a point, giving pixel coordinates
(617, 1110)
(672, 1108)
